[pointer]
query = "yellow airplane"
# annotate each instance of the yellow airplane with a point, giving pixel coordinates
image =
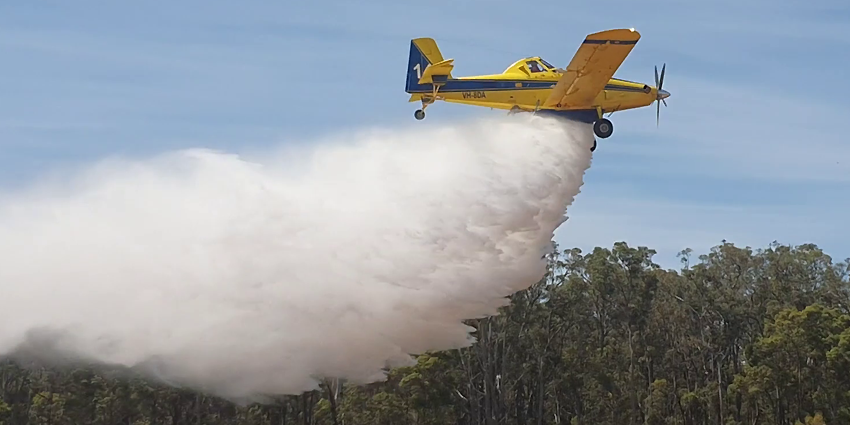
(584, 91)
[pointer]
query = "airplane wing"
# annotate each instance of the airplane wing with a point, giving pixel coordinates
(592, 67)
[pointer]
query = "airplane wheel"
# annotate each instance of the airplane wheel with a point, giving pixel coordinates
(419, 114)
(593, 148)
(603, 128)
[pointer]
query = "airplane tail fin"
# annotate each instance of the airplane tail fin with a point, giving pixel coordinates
(423, 53)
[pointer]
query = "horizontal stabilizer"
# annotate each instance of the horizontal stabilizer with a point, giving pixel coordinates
(438, 72)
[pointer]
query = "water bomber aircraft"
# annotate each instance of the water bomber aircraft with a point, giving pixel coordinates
(584, 91)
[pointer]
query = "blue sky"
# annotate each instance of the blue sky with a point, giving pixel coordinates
(750, 149)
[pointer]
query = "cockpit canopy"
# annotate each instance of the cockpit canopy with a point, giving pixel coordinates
(539, 65)
(533, 65)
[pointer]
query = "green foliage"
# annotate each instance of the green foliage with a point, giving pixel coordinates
(737, 337)
(5, 411)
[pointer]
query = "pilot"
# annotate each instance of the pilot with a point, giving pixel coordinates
(535, 67)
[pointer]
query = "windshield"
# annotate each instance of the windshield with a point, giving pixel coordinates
(547, 64)
(534, 66)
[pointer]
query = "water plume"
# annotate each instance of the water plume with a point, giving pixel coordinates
(244, 278)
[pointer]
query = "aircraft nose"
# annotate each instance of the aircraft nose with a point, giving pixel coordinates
(663, 94)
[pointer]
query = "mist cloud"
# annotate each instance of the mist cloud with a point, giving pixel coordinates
(244, 278)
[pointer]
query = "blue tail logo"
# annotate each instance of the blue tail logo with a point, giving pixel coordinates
(416, 64)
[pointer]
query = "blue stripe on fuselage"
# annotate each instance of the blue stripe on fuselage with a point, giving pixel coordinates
(500, 85)
(482, 85)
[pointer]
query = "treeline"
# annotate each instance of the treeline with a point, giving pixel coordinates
(734, 337)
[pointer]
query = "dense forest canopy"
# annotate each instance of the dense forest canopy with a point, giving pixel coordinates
(735, 337)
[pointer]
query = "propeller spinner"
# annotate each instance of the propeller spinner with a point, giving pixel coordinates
(662, 94)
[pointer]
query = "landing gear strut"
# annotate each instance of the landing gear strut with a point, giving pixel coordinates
(603, 128)
(419, 114)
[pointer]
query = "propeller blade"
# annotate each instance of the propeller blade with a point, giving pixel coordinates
(661, 81)
(657, 113)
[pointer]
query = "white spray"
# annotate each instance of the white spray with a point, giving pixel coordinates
(249, 278)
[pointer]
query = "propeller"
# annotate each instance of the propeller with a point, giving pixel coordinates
(662, 94)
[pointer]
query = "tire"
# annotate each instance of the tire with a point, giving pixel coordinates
(603, 128)
(419, 114)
